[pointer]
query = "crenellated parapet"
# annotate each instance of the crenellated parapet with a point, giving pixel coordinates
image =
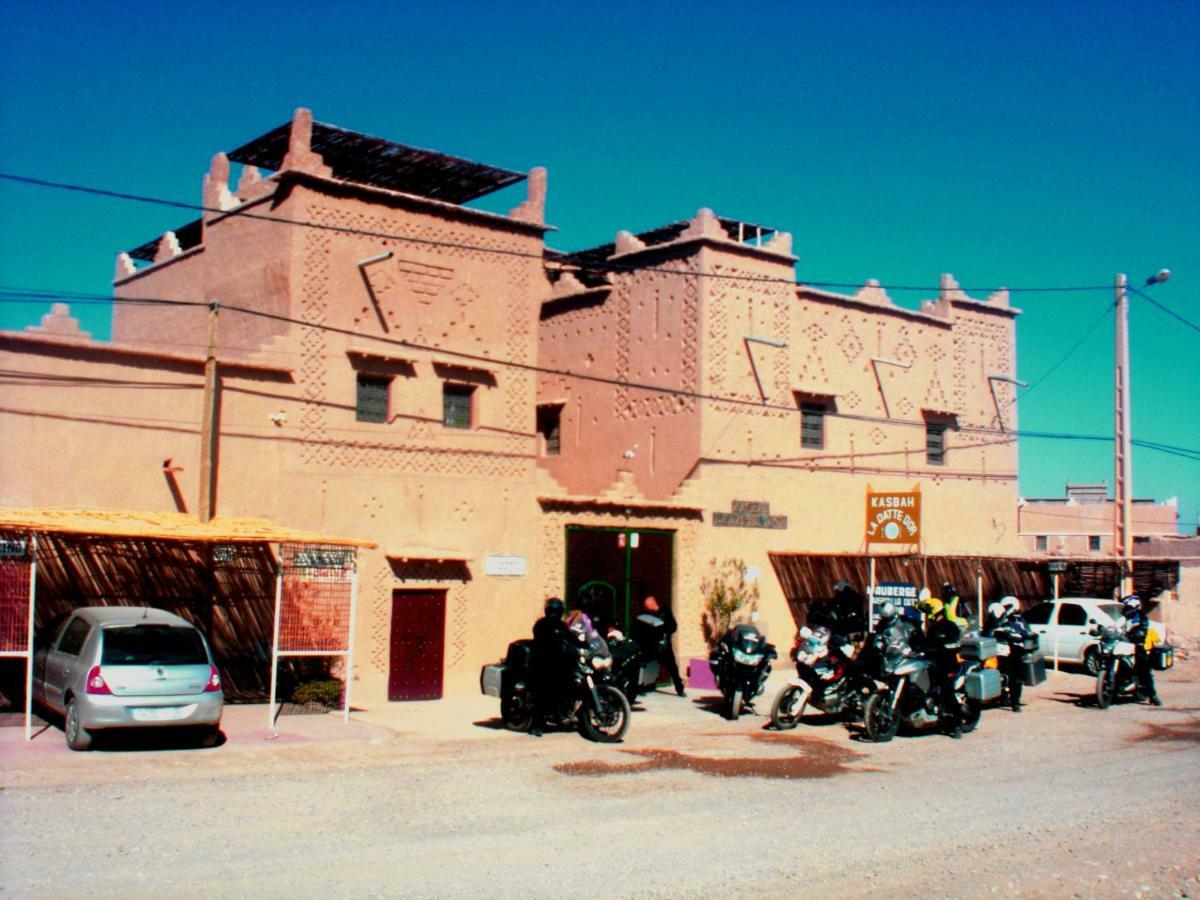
(533, 208)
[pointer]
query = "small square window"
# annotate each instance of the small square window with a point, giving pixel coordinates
(457, 404)
(1041, 543)
(549, 426)
(1093, 542)
(371, 402)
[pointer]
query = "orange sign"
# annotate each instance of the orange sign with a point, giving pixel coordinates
(894, 517)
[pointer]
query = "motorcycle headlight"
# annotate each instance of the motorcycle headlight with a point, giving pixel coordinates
(746, 659)
(601, 662)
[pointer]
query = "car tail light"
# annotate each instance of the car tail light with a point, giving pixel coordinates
(96, 683)
(214, 680)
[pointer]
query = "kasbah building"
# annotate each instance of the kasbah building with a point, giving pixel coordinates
(503, 422)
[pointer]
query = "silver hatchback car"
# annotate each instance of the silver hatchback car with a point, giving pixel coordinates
(123, 667)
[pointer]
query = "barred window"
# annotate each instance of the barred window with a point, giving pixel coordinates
(371, 403)
(1093, 542)
(457, 405)
(1040, 543)
(812, 425)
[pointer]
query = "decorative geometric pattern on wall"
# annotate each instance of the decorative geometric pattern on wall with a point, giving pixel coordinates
(450, 319)
(849, 343)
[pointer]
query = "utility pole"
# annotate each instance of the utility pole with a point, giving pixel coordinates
(209, 423)
(1122, 459)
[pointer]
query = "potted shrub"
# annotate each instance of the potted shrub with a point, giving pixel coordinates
(729, 598)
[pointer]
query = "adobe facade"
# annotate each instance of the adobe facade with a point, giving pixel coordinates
(508, 422)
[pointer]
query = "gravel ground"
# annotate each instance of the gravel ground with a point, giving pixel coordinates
(1063, 800)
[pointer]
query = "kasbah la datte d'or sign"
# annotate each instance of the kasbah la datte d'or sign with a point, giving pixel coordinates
(894, 517)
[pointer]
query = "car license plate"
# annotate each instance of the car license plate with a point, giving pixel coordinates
(158, 713)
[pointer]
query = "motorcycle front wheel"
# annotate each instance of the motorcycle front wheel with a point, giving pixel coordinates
(608, 724)
(881, 720)
(788, 708)
(1106, 688)
(734, 707)
(516, 712)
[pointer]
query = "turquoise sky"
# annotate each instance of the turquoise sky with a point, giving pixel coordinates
(1016, 144)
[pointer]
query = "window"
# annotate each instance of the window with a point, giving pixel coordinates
(1093, 542)
(371, 402)
(1072, 614)
(1040, 614)
(456, 405)
(73, 638)
(1041, 543)
(935, 443)
(143, 645)
(812, 424)
(936, 426)
(549, 426)
(813, 410)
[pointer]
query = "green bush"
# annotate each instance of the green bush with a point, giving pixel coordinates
(327, 692)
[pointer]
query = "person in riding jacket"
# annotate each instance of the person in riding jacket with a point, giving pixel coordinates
(550, 637)
(1007, 626)
(941, 642)
(950, 600)
(1139, 631)
(670, 626)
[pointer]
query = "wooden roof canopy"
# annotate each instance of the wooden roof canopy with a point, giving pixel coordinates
(364, 159)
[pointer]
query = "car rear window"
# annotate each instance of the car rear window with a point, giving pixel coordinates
(146, 645)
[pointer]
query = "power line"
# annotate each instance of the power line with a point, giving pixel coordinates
(607, 265)
(678, 392)
(1169, 312)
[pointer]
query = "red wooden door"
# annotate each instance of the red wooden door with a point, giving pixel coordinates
(418, 645)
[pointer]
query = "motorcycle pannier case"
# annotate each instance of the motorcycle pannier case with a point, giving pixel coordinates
(983, 684)
(491, 679)
(1162, 657)
(1031, 642)
(520, 655)
(1033, 669)
(976, 646)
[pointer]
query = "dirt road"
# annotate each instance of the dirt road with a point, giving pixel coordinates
(1061, 800)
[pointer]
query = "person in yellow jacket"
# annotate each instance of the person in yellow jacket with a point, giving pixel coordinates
(1139, 631)
(950, 601)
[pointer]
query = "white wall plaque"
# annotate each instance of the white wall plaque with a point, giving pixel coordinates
(504, 565)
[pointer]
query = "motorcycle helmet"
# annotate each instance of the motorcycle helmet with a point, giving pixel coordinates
(931, 606)
(555, 608)
(948, 590)
(1131, 604)
(887, 611)
(997, 610)
(1010, 603)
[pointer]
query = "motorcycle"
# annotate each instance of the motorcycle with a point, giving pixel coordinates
(1015, 639)
(827, 676)
(912, 695)
(590, 703)
(1117, 675)
(636, 668)
(740, 663)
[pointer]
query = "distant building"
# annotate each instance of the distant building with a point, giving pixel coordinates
(1082, 522)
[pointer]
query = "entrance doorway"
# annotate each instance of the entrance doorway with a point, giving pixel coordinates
(619, 568)
(418, 645)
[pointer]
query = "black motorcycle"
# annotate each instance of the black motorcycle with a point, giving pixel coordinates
(1117, 675)
(588, 702)
(912, 694)
(740, 663)
(636, 668)
(827, 676)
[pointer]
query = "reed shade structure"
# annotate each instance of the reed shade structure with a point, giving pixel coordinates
(220, 575)
(808, 579)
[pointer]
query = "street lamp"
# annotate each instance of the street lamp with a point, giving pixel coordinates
(1122, 449)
